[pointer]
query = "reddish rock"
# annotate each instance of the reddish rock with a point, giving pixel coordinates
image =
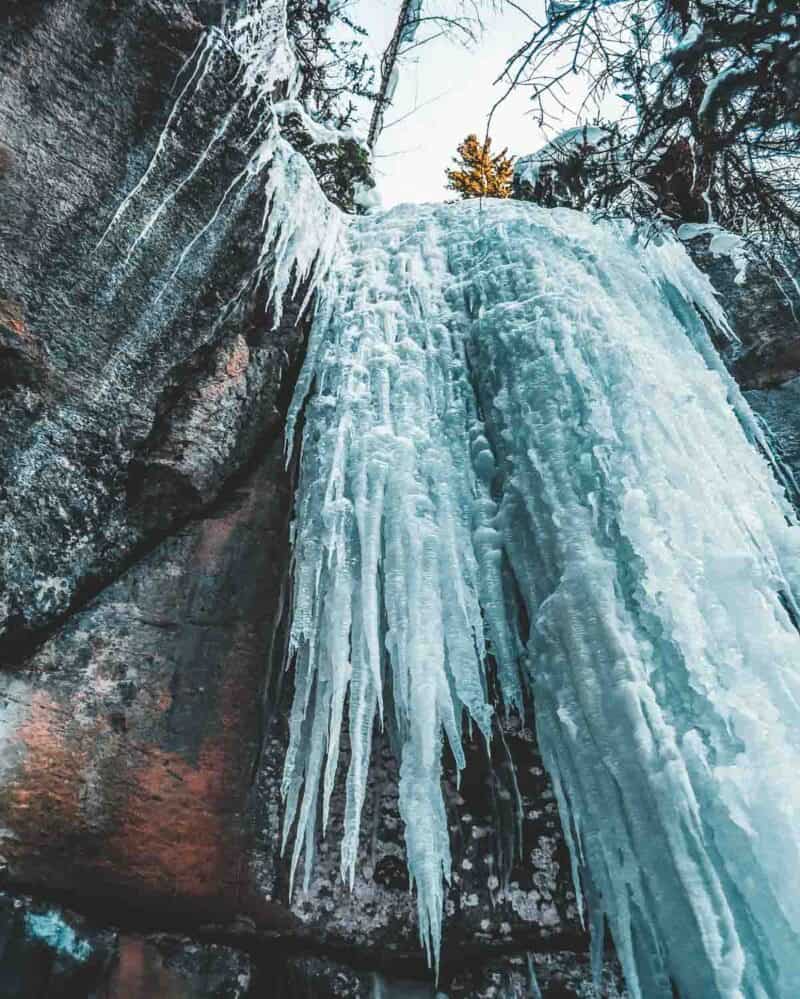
(130, 739)
(145, 968)
(23, 360)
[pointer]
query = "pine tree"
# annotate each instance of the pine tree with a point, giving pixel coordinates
(478, 174)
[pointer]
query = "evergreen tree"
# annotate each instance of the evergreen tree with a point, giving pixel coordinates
(479, 174)
(335, 69)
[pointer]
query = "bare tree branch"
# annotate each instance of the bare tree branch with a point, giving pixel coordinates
(713, 88)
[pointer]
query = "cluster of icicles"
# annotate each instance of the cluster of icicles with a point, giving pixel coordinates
(501, 405)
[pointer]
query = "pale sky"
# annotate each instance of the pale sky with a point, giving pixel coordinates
(452, 88)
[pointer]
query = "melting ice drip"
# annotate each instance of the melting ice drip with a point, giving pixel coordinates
(300, 228)
(507, 404)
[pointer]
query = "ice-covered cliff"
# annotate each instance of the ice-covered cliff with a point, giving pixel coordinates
(528, 484)
(475, 372)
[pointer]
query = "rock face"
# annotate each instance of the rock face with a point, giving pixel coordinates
(51, 952)
(765, 312)
(100, 357)
(144, 507)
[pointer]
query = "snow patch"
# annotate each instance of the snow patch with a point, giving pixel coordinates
(527, 169)
(723, 244)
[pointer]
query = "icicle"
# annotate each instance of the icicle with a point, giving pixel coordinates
(533, 982)
(504, 403)
(387, 505)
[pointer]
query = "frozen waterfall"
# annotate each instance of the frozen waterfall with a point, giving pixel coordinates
(505, 404)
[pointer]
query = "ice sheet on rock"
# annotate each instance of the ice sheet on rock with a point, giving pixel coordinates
(299, 227)
(503, 403)
(256, 31)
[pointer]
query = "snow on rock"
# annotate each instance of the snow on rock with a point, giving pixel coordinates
(723, 244)
(528, 168)
(515, 416)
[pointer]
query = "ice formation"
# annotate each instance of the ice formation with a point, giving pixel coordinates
(300, 227)
(505, 404)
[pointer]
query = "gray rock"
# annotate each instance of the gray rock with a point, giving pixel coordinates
(779, 409)
(764, 310)
(127, 398)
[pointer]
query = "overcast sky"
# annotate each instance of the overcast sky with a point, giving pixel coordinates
(452, 88)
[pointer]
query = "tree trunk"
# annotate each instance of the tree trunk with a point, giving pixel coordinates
(388, 63)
